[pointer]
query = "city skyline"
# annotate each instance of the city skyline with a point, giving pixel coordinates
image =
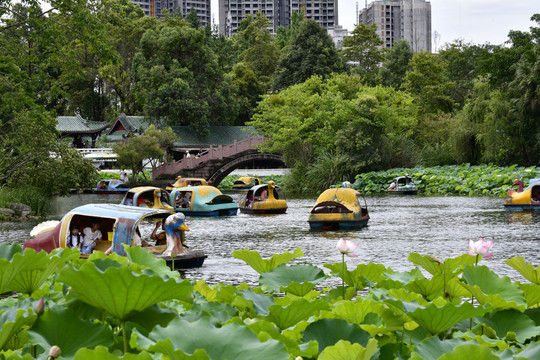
(476, 21)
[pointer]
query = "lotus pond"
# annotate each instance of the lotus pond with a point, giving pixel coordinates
(398, 304)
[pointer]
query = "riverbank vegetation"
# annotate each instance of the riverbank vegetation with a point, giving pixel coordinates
(469, 180)
(453, 309)
(469, 103)
(36, 198)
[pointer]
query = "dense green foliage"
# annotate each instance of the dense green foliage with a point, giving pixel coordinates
(470, 103)
(138, 152)
(138, 309)
(31, 196)
(462, 180)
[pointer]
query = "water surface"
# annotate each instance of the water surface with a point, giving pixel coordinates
(399, 225)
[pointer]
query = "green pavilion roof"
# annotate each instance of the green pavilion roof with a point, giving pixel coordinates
(78, 125)
(125, 123)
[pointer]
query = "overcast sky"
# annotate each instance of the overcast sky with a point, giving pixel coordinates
(476, 21)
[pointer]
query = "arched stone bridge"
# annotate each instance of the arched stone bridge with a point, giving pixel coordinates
(216, 163)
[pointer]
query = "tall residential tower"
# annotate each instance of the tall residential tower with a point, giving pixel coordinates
(160, 7)
(278, 12)
(403, 19)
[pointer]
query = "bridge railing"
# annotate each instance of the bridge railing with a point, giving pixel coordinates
(214, 152)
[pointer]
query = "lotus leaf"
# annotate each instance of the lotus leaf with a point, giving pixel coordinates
(260, 302)
(301, 309)
(371, 272)
(140, 256)
(527, 270)
(152, 316)
(432, 347)
(63, 328)
(119, 291)
(356, 312)
(27, 271)
(508, 321)
(231, 341)
(102, 353)
(8, 250)
(451, 266)
(260, 326)
(328, 332)
(439, 319)
(165, 349)
(284, 275)
(405, 277)
(344, 350)
(428, 288)
(253, 259)
(11, 321)
(531, 352)
(488, 288)
(470, 351)
(532, 293)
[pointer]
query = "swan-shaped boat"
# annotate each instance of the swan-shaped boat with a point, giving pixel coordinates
(149, 197)
(403, 185)
(263, 199)
(339, 208)
(246, 182)
(202, 201)
(527, 199)
(119, 225)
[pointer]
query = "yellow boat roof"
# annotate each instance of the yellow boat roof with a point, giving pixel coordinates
(341, 195)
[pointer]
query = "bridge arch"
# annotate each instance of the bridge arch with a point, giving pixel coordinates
(220, 173)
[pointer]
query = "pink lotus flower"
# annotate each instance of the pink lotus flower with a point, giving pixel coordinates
(480, 247)
(347, 247)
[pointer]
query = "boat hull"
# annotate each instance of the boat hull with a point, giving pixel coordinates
(403, 192)
(96, 191)
(252, 211)
(189, 259)
(522, 207)
(338, 225)
(219, 212)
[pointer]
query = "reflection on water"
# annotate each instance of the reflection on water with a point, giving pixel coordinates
(440, 226)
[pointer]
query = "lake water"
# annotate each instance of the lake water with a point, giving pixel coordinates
(440, 226)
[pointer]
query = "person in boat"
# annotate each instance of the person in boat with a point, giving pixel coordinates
(535, 197)
(392, 185)
(137, 239)
(264, 195)
(158, 234)
(185, 202)
(92, 235)
(74, 237)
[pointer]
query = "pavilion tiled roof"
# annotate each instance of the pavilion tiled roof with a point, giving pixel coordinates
(78, 125)
(129, 123)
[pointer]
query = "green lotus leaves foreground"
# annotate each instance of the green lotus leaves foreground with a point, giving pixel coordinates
(134, 307)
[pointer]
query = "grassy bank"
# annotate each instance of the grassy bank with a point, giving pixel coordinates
(484, 180)
(31, 196)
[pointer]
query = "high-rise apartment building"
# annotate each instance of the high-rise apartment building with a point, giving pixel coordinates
(160, 7)
(278, 12)
(403, 19)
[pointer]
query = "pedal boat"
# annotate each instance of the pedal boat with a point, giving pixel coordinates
(404, 185)
(118, 224)
(111, 187)
(183, 182)
(263, 199)
(203, 201)
(149, 197)
(246, 182)
(339, 209)
(524, 200)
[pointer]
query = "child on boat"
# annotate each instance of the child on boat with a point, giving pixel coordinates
(91, 235)
(74, 237)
